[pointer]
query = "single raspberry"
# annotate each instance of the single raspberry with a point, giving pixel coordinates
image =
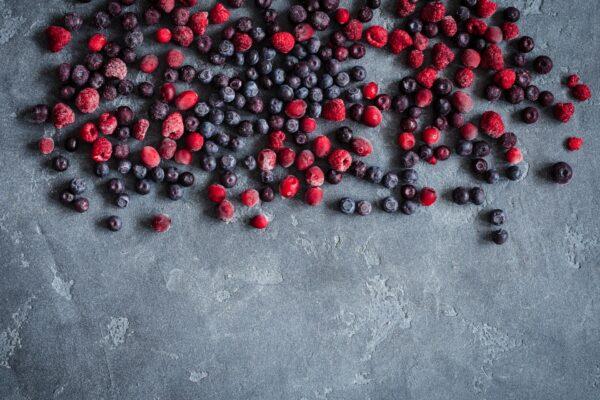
(289, 186)
(313, 196)
(470, 58)
(505, 78)
(427, 196)
(277, 140)
(115, 68)
(340, 160)
(462, 102)
(283, 42)
(361, 147)
(442, 56)
(107, 123)
(219, 14)
(420, 41)
(431, 135)
(406, 140)
(492, 58)
(175, 58)
(149, 63)
(371, 116)
(464, 77)
(423, 98)
(334, 110)
(469, 131)
(101, 150)
(161, 222)
(476, 27)
(426, 77)
(572, 81)
(308, 125)
(225, 211)
(286, 157)
(353, 30)
(97, 42)
(183, 157)
(581, 92)
(198, 22)
(370, 90)
(266, 160)
(249, 197)
(167, 148)
(140, 128)
(166, 5)
(510, 30)
(303, 32)
(493, 35)
(448, 26)
(194, 141)
(58, 37)
(87, 100)
(563, 111)
(321, 146)
(62, 115)
(415, 58)
(88, 132)
(433, 12)
(183, 36)
(242, 42)
(216, 193)
(513, 156)
(163, 35)
(314, 176)
(399, 40)
(491, 124)
(376, 36)
(186, 100)
(172, 126)
(485, 8)
(295, 108)
(404, 8)
(304, 160)
(259, 221)
(46, 145)
(574, 143)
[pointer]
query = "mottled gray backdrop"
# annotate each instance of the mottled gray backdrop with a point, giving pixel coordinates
(321, 305)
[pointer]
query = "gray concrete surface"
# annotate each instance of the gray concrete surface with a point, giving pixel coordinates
(320, 306)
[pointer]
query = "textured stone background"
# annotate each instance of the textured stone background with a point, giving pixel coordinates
(320, 306)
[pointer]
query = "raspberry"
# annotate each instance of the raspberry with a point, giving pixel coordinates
(431, 135)
(286, 157)
(491, 124)
(574, 143)
(321, 146)
(313, 196)
(266, 160)
(175, 58)
(163, 35)
(219, 14)
(276, 140)
(225, 211)
(485, 8)
(468, 131)
(581, 92)
(46, 145)
(353, 30)
(563, 111)
(140, 128)
(426, 77)
(464, 77)
(376, 36)
(476, 27)
(405, 7)
(186, 100)
(448, 26)
(399, 40)
(283, 42)
(216, 193)
(470, 58)
(183, 36)
(295, 108)
(183, 157)
(334, 110)
(101, 150)
(427, 196)
(513, 156)
(289, 186)
(97, 42)
(88, 132)
(161, 223)
(194, 141)
(462, 102)
(492, 58)
(510, 30)
(442, 56)
(304, 160)
(423, 98)
(259, 221)
(87, 100)
(115, 68)
(303, 32)
(167, 148)
(433, 12)
(149, 63)
(242, 42)
(505, 78)
(314, 176)
(172, 126)
(370, 90)
(406, 141)
(107, 123)
(340, 160)
(249, 197)
(308, 125)
(493, 35)
(198, 22)
(415, 58)
(342, 16)
(58, 37)
(62, 115)
(420, 41)
(166, 5)
(572, 81)
(371, 116)
(361, 147)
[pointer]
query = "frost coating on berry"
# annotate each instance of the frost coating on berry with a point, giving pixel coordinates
(115, 68)
(491, 124)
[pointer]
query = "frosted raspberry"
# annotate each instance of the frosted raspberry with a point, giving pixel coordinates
(433, 12)
(399, 40)
(172, 126)
(491, 124)
(115, 68)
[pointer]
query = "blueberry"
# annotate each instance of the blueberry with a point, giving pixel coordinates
(186, 179)
(314, 110)
(389, 204)
(227, 162)
(499, 236)
(205, 76)
(342, 79)
(390, 180)
(333, 177)
(232, 118)
(464, 148)
(208, 129)
(326, 81)
(363, 207)
(261, 126)
(249, 162)
(114, 223)
(347, 205)
(481, 149)
(171, 175)
(139, 171)
(208, 162)
(514, 173)
(353, 94)
(124, 167)
(477, 195)
(301, 93)
(175, 192)
(81, 204)
(101, 170)
(267, 194)
(228, 179)
(409, 175)
(60, 163)
(143, 186)
(408, 207)
(492, 176)
(285, 92)
(77, 185)
(497, 217)
(157, 174)
(561, 173)
(267, 176)
(408, 191)
(358, 73)
(316, 95)
(344, 134)
(374, 174)
(66, 197)
(409, 159)
(460, 195)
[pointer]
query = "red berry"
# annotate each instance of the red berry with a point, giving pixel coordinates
(485, 8)
(371, 116)
(321, 146)
(305, 159)
(101, 150)
(283, 42)
(469, 131)
(286, 157)
(420, 41)
(470, 58)
(431, 135)
(334, 110)
(442, 56)
(492, 58)
(491, 124)
(505, 78)
(423, 98)
(183, 157)
(175, 58)
(295, 108)
(353, 30)
(266, 160)
(342, 16)
(514, 155)
(314, 176)
(242, 42)
(289, 186)
(426, 77)
(581, 92)
(167, 148)
(219, 14)
(216, 193)
(198, 22)
(97, 42)
(572, 81)
(172, 126)
(183, 36)
(62, 115)
(249, 197)
(194, 141)
(225, 211)
(166, 5)
(406, 140)
(58, 37)
(46, 145)
(140, 128)
(259, 221)
(150, 157)
(427, 196)
(404, 8)
(313, 196)
(186, 100)
(433, 12)
(88, 132)
(476, 27)
(370, 90)
(574, 143)
(115, 68)
(168, 91)
(493, 34)
(415, 58)
(340, 160)
(563, 111)
(149, 63)
(88, 100)
(376, 36)
(308, 125)
(107, 123)
(462, 102)
(510, 30)
(303, 32)
(448, 26)
(464, 77)
(161, 223)
(163, 35)
(276, 140)
(361, 147)
(399, 40)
